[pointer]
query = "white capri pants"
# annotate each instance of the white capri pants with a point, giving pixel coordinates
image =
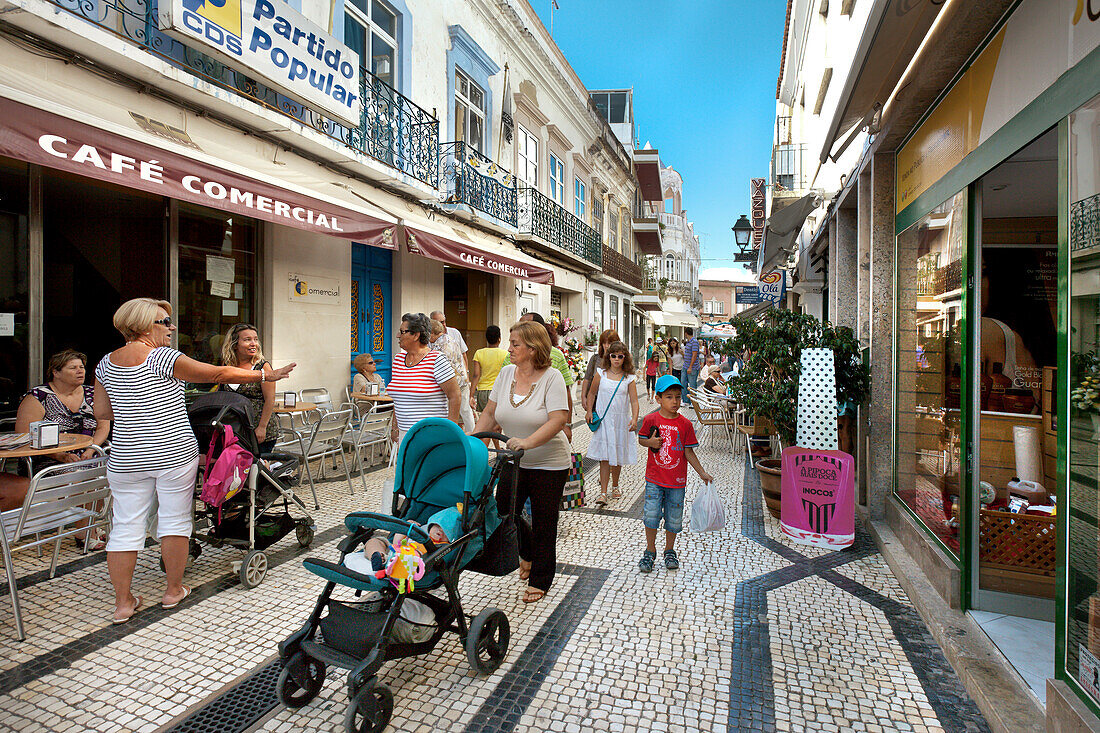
(132, 499)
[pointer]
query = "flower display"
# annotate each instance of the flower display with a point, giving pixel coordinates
(1085, 396)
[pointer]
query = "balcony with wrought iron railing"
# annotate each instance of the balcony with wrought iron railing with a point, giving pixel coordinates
(468, 177)
(647, 227)
(788, 170)
(393, 130)
(620, 267)
(548, 225)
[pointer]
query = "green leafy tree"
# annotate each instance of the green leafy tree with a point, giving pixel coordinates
(771, 351)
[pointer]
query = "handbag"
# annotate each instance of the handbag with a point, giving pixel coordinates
(573, 495)
(596, 417)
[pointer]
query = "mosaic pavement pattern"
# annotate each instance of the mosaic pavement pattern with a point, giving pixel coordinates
(752, 633)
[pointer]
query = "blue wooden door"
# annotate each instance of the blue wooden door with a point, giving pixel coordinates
(371, 273)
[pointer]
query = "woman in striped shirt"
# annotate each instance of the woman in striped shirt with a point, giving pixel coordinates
(153, 450)
(422, 383)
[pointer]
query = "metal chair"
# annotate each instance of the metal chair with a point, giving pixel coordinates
(322, 439)
(58, 498)
(711, 414)
(374, 430)
(320, 397)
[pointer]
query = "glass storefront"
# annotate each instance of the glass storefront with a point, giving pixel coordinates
(930, 257)
(14, 284)
(1082, 429)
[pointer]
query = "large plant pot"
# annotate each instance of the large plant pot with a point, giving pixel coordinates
(771, 474)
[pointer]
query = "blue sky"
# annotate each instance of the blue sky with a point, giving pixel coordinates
(703, 74)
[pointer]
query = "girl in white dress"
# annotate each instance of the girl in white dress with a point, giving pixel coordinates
(614, 397)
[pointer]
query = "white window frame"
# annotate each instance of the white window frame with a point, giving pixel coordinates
(613, 312)
(527, 167)
(580, 198)
(597, 309)
(557, 179)
(369, 27)
(613, 224)
(471, 110)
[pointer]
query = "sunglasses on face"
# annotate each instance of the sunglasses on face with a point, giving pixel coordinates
(403, 331)
(617, 356)
(166, 322)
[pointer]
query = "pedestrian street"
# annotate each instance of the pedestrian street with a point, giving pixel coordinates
(751, 633)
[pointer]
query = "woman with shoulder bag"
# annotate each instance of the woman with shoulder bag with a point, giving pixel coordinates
(613, 405)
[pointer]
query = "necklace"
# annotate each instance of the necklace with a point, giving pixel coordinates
(512, 394)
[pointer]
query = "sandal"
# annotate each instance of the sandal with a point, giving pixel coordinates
(95, 543)
(615, 493)
(602, 498)
(524, 572)
(123, 619)
(170, 606)
(532, 595)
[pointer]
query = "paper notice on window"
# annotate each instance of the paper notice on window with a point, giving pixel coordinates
(222, 290)
(238, 291)
(7, 324)
(220, 269)
(1088, 670)
(229, 308)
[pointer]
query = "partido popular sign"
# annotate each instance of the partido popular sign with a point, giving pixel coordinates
(269, 39)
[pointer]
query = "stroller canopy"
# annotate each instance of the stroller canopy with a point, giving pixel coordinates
(437, 463)
(229, 408)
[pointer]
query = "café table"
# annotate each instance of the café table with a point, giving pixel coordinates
(376, 401)
(66, 442)
(299, 406)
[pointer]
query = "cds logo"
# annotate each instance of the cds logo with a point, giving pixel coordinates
(301, 288)
(1083, 7)
(219, 21)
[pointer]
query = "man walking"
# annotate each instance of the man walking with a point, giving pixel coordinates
(692, 363)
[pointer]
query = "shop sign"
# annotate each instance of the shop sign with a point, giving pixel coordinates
(456, 253)
(270, 40)
(759, 208)
(313, 289)
(37, 136)
(772, 287)
(818, 504)
(748, 295)
(1041, 41)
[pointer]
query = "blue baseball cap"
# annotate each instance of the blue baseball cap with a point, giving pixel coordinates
(666, 381)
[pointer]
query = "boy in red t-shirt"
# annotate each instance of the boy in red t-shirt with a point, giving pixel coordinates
(670, 438)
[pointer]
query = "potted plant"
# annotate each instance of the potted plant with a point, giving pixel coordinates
(767, 385)
(1085, 395)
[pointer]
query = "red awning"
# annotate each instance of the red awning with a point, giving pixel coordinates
(463, 255)
(40, 137)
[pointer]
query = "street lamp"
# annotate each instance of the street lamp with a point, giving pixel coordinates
(742, 231)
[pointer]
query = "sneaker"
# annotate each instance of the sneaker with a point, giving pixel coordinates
(671, 561)
(646, 563)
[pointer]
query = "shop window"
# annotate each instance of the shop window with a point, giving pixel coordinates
(370, 29)
(929, 368)
(1082, 510)
(527, 152)
(557, 180)
(580, 196)
(14, 285)
(597, 309)
(469, 111)
(217, 280)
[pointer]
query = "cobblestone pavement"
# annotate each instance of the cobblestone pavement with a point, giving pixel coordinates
(752, 633)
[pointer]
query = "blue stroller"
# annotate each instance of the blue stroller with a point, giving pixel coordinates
(438, 466)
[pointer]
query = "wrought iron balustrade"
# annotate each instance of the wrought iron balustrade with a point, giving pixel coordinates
(788, 171)
(393, 129)
(679, 289)
(542, 217)
(619, 266)
(468, 177)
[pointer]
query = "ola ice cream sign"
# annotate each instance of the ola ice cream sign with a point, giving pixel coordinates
(270, 40)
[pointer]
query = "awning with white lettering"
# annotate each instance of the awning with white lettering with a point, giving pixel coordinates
(484, 256)
(37, 136)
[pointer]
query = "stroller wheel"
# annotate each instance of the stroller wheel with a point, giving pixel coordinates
(253, 568)
(290, 691)
(487, 640)
(370, 710)
(304, 534)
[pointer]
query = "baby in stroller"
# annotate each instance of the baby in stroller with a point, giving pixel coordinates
(444, 499)
(441, 527)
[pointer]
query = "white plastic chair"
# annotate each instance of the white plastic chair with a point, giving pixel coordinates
(58, 498)
(374, 430)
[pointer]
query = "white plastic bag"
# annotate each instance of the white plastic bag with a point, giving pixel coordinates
(707, 511)
(415, 624)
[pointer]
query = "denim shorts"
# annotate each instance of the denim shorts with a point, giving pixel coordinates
(663, 502)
